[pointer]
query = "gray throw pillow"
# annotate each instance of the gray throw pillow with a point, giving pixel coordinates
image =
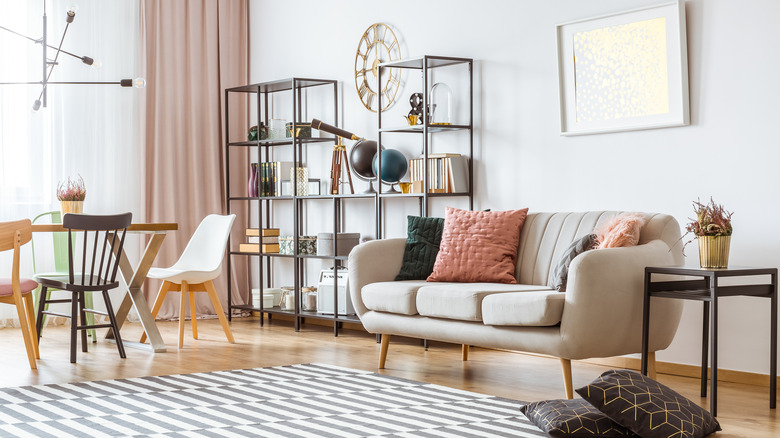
(561, 273)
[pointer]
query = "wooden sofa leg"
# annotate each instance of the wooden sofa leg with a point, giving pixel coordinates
(464, 353)
(383, 350)
(567, 382)
(651, 365)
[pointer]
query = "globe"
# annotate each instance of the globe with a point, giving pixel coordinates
(360, 158)
(394, 166)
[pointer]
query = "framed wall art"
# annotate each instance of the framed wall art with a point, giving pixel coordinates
(625, 71)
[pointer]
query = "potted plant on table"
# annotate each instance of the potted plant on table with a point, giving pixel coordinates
(712, 228)
(71, 194)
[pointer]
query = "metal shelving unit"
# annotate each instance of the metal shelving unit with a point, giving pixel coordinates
(261, 93)
(425, 65)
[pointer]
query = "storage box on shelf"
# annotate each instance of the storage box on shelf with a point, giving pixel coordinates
(285, 182)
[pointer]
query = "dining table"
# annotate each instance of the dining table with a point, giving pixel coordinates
(134, 277)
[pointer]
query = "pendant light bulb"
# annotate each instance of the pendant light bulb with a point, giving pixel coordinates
(139, 82)
(36, 105)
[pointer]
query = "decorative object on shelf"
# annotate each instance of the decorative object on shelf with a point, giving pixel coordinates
(361, 157)
(378, 44)
(300, 175)
(256, 133)
(447, 173)
(303, 130)
(441, 104)
(346, 241)
(325, 292)
(50, 63)
(307, 245)
(278, 129)
(71, 194)
(252, 184)
(415, 115)
(712, 228)
(394, 167)
(338, 162)
(406, 186)
(630, 68)
(315, 187)
(287, 301)
(309, 299)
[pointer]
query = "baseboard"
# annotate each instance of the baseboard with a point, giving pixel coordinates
(678, 369)
(316, 321)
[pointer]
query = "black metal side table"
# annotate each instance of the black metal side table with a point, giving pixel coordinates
(708, 290)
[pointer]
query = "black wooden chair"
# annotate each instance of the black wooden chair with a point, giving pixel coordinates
(98, 273)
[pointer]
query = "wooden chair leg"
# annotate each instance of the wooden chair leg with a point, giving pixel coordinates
(209, 285)
(114, 326)
(193, 316)
(82, 321)
(89, 303)
(29, 305)
(74, 319)
(166, 285)
(42, 306)
(26, 335)
(651, 365)
(567, 381)
(182, 306)
(383, 350)
(464, 352)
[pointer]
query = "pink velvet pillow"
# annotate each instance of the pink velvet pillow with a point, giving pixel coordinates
(621, 230)
(479, 246)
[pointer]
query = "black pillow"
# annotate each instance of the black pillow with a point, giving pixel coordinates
(647, 407)
(422, 245)
(561, 273)
(572, 418)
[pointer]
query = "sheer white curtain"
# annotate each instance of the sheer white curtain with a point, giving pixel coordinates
(89, 130)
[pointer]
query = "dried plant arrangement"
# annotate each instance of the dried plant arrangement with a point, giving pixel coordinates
(72, 190)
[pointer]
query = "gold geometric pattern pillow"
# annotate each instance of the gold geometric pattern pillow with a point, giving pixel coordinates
(647, 407)
(572, 419)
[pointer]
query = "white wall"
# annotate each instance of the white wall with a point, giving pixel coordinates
(729, 152)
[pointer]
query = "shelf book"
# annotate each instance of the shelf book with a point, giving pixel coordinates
(266, 239)
(271, 174)
(447, 173)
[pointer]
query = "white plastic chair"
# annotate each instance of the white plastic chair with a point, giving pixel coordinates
(198, 265)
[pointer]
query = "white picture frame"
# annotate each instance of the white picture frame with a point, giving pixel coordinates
(611, 71)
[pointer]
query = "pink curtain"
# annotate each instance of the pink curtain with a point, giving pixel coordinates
(191, 51)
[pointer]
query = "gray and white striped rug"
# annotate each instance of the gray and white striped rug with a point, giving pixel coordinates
(312, 400)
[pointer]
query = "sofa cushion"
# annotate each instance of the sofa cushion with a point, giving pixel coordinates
(462, 301)
(392, 296)
(479, 246)
(620, 231)
(422, 245)
(532, 308)
(561, 272)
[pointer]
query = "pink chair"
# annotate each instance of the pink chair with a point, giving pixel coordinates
(17, 291)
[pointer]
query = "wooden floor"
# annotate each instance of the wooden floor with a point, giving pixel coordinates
(744, 409)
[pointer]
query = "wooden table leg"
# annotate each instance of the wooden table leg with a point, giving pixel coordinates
(135, 297)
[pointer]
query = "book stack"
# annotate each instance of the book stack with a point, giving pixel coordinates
(270, 175)
(447, 173)
(266, 239)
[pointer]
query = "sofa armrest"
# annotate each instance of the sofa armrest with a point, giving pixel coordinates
(602, 315)
(372, 262)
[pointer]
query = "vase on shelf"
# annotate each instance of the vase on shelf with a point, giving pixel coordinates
(714, 251)
(252, 184)
(75, 207)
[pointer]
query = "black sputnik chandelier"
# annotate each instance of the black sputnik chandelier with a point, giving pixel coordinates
(50, 63)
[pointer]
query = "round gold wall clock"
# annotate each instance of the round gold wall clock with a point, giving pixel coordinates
(378, 44)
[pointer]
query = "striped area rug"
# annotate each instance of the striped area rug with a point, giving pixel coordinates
(311, 400)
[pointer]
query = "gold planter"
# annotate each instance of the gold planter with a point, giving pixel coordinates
(714, 251)
(76, 207)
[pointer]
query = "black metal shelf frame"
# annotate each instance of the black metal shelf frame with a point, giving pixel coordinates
(261, 93)
(425, 64)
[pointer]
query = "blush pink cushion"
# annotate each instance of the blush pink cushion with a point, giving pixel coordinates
(479, 246)
(621, 230)
(26, 284)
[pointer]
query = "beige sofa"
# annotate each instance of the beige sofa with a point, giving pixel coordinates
(599, 315)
